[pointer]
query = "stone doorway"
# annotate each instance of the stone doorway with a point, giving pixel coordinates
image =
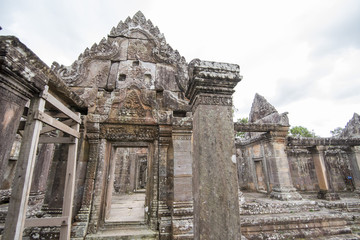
(127, 179)
(260, 176)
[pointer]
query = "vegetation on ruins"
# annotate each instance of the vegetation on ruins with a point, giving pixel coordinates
(336, 132)
(300, 131)
(242, 120)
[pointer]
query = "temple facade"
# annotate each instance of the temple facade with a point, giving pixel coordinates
(133, 142)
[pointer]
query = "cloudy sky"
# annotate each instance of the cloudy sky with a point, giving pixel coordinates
(302, 56)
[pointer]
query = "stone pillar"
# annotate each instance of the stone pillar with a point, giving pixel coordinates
(354, 153)
(41, 171)
(20, 80)
(282, 186)
(215, 181)
(53, 201)
(326, 191)
(163, 209)
(11, 110)
(182, 211)
(153, 185)
(82, 220)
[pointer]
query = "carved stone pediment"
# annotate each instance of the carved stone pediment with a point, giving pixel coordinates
(136, 39)
(131, 109)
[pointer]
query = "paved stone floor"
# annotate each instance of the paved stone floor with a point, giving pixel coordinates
(127, 208)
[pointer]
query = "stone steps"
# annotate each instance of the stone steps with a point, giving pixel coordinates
(125, 231)
(276, 207)
(300, 225)
(341, 237)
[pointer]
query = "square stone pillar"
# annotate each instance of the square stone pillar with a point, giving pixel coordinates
(215, 181)
(182, 210)
(164, 214)
(354, 153)
(326, 190)
(282, 186)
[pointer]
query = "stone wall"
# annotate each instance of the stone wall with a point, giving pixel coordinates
(313, 164)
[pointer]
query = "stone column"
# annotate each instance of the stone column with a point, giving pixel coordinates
(163, 209)
(215, 181)
(41, 171)
(354, 153)
(326, 191)
(182, 211)
(282, 186)
(152, 190)
(82, 220)
(11, 110)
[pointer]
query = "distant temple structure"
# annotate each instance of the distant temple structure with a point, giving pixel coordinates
(133, 142)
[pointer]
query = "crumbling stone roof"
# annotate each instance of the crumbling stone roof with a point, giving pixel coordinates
(352, 128)
(260, 108)
(19, 61)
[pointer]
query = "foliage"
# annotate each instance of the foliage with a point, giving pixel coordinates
(242, 120)
(336, 132)
(300, 131)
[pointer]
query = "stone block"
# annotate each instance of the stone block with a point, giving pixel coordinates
(182, 188)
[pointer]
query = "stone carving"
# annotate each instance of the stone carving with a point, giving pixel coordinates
(212, 100)
(132, 108)
(181, 137)
(72, 75)
(145, 42)
(129, 132)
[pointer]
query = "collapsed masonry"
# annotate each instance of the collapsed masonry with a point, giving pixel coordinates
(131, 141)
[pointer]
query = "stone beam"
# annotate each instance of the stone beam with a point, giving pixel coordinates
(311, 142)
(259, 127)
(215, 182)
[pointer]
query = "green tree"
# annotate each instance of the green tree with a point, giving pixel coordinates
(336, 132)
(241, 120)
(300, 131)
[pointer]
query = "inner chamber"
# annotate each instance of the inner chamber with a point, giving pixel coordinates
(128, 175)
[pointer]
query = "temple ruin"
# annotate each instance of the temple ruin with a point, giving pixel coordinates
(133, 142)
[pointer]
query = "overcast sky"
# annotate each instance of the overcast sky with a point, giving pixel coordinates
(302, 56)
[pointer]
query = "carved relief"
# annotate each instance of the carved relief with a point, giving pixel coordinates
(212, 100)
(140, 50)
(131, 109)
(74, 75)
(181, 137)
(132, 106)
(129, 132)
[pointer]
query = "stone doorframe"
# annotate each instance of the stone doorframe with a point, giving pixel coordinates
(101, 137)
(110, 176)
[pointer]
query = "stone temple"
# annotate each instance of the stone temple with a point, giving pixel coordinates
(133, 142)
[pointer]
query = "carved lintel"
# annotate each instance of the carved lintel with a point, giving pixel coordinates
(129, 132)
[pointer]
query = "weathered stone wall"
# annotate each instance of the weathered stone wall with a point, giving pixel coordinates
(253, 159)
(252, 168)
(302, 169)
